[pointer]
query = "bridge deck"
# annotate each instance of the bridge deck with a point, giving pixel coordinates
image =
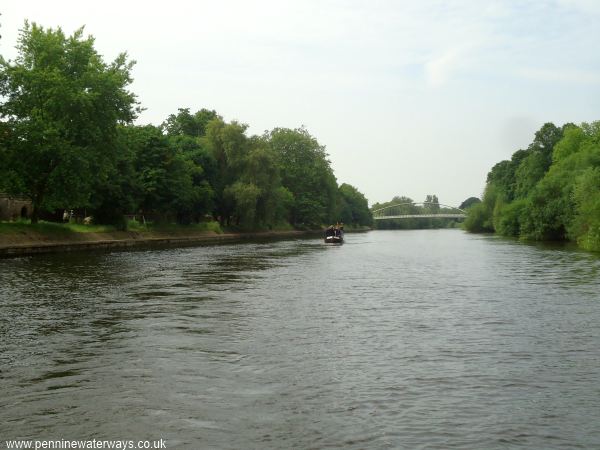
(422, 216)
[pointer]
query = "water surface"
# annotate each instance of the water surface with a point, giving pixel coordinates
(397, 339)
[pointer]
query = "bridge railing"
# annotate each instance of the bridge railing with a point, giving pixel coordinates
(412, 210)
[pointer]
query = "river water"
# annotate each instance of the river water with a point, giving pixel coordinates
(397, 339)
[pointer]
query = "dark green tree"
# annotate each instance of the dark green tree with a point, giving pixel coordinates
(62, 104)
(469, 202)
(354, 207)
(119, 191)
(164, 176)
(186, 124)
(306, 173)
(554, 189)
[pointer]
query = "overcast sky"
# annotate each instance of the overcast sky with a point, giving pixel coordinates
(409, 97)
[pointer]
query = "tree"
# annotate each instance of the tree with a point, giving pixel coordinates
(469, 202)
(585, 228)
(62, 105)
(229, 147)
(248, 182)
(262, 170)
(186, 124)
(531, 170)
(306, 173)
(554, 210)
(544, 141)
(202, 168)
(477, 220)
(480, 215)
(244, 197)
(354, 207)
(432, 204)
(164, 175)
(554, 192)
(120, 191)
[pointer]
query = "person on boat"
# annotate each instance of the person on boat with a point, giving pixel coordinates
(337, 230)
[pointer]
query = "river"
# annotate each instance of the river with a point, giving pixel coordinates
(397, 339)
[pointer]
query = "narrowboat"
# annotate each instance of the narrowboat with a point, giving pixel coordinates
(334, 235)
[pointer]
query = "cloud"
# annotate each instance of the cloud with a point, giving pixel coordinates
(561, 75)
(584, 6)
(459, 58)
(438, 70)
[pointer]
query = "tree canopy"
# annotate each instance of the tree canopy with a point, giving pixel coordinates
(61, 107)
(67, 141)
(551, 191)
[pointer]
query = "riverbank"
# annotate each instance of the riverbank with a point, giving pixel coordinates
(29, 241)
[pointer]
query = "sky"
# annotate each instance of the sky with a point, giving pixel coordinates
(409, 97)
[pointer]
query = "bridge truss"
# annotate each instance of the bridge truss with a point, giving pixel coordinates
(406, 211)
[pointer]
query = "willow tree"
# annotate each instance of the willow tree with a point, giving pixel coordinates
(62, 104)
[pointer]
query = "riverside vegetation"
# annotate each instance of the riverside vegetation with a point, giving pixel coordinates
(549, 191)
(67, 141)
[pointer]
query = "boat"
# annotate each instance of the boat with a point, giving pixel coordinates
(334, 235)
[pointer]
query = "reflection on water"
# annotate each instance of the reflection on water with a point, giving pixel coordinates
(397, 339)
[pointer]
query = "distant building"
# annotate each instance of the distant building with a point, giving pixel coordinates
(14, 208)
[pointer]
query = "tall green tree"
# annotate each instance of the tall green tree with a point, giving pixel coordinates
(248, 182)
(165, 176)
(469, 202)
(354, 207)
(585, 228)
(306, 173)
(185, 123)
(515, 179)
(432, 204)
(62, 104)
(556, 189)
(229, 147)
(119, 191)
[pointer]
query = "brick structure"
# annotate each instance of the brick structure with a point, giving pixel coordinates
(14, 208)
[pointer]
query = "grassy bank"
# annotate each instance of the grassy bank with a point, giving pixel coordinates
(24, 234)
(212, 227)
(21, 238)
(51, 228)
(66, 229)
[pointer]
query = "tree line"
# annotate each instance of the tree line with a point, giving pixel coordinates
(549, 191)
(68, 140)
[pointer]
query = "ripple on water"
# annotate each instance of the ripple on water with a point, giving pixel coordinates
(425, 339)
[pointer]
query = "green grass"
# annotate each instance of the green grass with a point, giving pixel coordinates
(281, 226)
(81, 228)
(62, 229)
(134, 225)
(52, 228)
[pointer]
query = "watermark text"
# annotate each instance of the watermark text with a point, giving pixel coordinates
(92, 444)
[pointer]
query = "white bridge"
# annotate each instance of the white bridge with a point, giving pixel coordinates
(403, 211)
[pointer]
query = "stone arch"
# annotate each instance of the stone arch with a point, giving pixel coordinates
(24, 212)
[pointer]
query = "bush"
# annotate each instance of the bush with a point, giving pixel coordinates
(478, 219)
(508, 222)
